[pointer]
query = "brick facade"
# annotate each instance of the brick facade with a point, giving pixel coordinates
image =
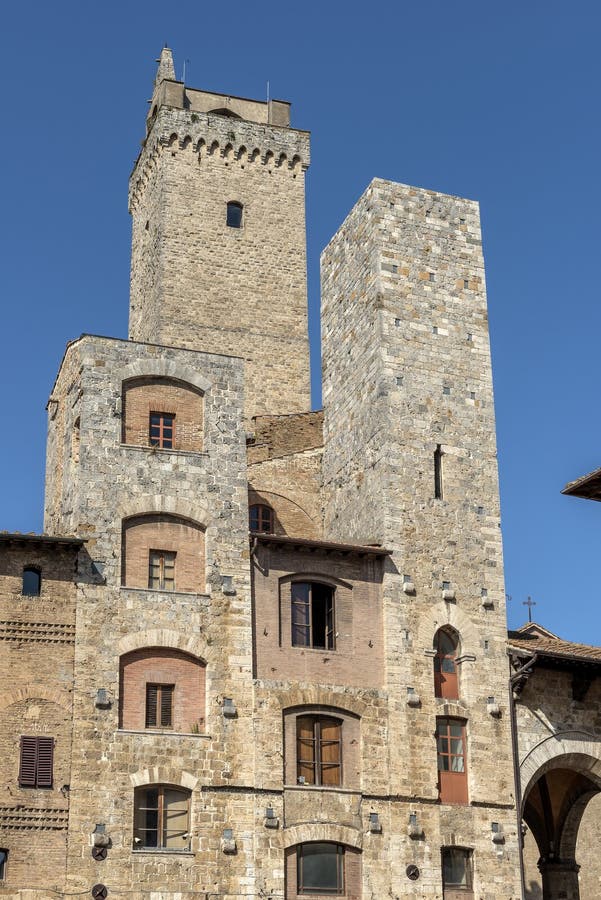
(165, 667)
(143, 396)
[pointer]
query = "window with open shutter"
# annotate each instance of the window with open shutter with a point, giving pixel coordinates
(36, 763)
(319, 746)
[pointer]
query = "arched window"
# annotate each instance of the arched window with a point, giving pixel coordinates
(161, 552)
(32, 582)
(261, 518)
(161, 818)
(318, 750)
(446, 682)
(234, 214)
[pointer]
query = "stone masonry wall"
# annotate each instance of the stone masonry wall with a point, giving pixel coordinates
(197, 283)
(406, 371)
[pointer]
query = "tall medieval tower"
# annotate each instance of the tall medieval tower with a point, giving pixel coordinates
(218, 263)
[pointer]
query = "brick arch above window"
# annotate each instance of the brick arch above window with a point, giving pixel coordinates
(163, 553)
(165, 638)
(164, 368)
(163, 413)
(161, 503)
(162, 689)
(289, 516)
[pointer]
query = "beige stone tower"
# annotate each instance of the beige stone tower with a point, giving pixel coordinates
(410, 462)
(217, 198)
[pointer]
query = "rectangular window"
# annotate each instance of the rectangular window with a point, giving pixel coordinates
(451, 752)
(161, 570)
(161, 818)
(456, 872)
(161, 430)
(36, 762)
(320, 869)
(318, 750)
(159, 705)
(312, 615)
(3, 862)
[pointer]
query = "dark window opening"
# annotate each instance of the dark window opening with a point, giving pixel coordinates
(445, 665)
(312, 615)
(36, 762)
(456, 869)
(161, 430)
(318, 750)
(438, 472)
(161, 818)
(320, 869)
(261, 518)
(32, 582)
(161, 570)
(234, 215)
(3, 861)
(159, 705)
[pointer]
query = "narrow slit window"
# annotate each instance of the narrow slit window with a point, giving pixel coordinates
(161, 570)
(438, 472)
(234, 215)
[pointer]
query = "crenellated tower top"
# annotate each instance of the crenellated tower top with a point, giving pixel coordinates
(218, 250)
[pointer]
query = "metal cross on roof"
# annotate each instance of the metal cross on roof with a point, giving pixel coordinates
(529, 603)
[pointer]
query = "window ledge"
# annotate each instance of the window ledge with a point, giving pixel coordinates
(324, 789)
(163, 450)
(141, 590)
(163, 733)
(161, 851)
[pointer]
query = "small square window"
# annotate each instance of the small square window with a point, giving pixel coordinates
(399, 380)
(397, 322)
(446, 389)
(470, 336)
(431, 276)
(466, 283)
(161, 430)
(435, 329)
(472, 395)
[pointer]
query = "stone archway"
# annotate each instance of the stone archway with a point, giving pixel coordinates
(555, 800)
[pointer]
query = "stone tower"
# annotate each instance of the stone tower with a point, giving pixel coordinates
(218, 264)
(410, 463)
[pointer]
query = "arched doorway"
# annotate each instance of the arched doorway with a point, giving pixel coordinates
(554, 805)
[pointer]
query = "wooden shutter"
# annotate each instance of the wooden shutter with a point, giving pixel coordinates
(45, 761)
(152, 693)
(36, 763)
(329, 751)
(305, 748)
(166, 705)
(28, 763)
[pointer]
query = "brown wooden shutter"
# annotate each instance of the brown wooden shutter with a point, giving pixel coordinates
(329, 751)
(45, 762)
(166, 705)
(27, 767)
(305, 749)
(152, 692)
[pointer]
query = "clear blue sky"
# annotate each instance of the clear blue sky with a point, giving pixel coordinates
(494, 101)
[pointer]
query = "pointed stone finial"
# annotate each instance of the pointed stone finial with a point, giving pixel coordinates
(166, 69)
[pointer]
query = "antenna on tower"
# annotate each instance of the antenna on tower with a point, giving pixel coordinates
(268, 92)
(184, 72)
